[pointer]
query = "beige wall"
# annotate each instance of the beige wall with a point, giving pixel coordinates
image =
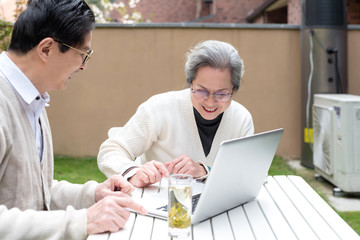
(354, 61)
(132, 64)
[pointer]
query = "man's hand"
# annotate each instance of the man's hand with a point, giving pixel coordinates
(110, 215)
(116, 185)
(185, 165)
(149, 173)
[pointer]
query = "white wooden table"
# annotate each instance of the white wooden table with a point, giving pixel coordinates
(286, 208)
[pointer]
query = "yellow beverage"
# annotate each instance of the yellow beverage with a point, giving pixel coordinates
(179, 210)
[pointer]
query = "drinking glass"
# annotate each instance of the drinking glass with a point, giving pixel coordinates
(180, 205)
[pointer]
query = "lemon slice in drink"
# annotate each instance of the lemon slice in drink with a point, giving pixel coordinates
(183, 195)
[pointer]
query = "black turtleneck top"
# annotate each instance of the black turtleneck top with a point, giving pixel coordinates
(207, 130)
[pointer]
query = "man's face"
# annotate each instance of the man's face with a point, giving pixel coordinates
(69, 63)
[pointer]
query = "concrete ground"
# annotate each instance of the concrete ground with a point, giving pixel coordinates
(341, 203)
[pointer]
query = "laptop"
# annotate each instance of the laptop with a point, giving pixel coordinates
(240, 169)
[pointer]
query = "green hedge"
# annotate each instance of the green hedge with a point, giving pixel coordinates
(5, 34)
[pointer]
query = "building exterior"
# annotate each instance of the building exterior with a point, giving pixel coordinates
(216, 11)
(353, 14)
(232, 11)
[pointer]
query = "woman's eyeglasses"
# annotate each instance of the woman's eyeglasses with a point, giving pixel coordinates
(218, 96)
(87, 55)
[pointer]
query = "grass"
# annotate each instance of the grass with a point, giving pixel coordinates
(81, 170)
(77, 170)
(352, 218)
(279, 167)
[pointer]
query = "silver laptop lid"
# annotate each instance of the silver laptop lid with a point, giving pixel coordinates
(239, 170)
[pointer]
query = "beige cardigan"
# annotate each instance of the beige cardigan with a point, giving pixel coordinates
(27, 188)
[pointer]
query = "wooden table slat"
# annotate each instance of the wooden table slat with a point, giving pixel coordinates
(343, 230)
(125, 233)
(202, 231)
(142, 228)
(258, 222)
(315, 221)
(298, 224)
(273, 215)
(160, 230)
(240, 224)
(221, 227)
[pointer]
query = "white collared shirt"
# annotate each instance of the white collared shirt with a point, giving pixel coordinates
(33, 102)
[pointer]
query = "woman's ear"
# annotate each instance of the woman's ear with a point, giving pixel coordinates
(46, 48)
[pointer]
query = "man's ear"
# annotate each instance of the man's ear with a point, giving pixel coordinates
(46, 48)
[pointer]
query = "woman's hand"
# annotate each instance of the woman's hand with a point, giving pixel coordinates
(149, 173)
(185, 165)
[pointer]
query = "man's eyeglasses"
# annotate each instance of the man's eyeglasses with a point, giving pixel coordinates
(87, 55)
(218, 96)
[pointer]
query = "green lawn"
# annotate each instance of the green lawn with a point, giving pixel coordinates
(80, 170)
(352, 218)
(77, 170)
(279, 167)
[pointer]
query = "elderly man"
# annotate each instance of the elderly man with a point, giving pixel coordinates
(51, 40)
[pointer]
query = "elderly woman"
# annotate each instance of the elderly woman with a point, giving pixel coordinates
(180, 131)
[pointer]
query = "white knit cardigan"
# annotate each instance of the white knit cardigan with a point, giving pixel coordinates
(164, 128)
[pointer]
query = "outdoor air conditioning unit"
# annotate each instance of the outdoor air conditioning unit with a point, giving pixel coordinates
(336, 143)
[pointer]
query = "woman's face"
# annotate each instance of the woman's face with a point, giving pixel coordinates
(213, 81)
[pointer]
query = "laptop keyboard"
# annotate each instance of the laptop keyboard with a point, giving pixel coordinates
(195, 200)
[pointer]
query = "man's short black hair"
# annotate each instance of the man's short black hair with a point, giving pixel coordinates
(67, 21)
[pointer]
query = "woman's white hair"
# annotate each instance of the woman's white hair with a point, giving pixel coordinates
(215, 54)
